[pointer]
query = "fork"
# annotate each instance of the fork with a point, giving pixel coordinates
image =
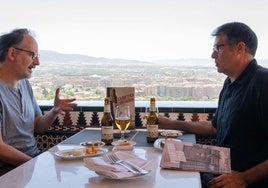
(108, 157)
(116, 160)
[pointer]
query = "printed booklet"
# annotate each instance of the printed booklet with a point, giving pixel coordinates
(195, 157)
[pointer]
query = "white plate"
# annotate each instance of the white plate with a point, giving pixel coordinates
(95, 143)
(171, 133)
(127, 178)
(157, 143)
(123, 143)
(78, 153)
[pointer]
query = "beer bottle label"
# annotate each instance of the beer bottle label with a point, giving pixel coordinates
(152, 131)
(107, 132)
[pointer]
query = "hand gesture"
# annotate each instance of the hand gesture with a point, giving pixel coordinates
(62, 105)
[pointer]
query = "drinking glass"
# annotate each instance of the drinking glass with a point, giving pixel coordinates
(122, 119)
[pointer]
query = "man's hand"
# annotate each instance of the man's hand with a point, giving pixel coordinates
(61, 105)
(232, 180)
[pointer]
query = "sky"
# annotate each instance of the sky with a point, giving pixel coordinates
(133, 29)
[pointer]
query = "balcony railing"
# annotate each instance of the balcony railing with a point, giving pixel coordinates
(89, 114)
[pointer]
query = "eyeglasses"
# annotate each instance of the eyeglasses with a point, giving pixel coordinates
(33, 54)
(217, 47)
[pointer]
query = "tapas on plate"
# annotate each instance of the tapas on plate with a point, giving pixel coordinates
(123, 143)
(80, 153)
(92, 143)
(160, 142)
(171, 133)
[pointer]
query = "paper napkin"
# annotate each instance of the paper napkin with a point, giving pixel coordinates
(115, 171)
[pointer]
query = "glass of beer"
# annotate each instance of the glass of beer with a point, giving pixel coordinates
(122, 119)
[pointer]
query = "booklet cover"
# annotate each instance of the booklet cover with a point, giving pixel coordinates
(195, 157)
(123, 95)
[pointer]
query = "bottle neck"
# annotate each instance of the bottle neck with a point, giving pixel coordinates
(107, 108)
(152, 107)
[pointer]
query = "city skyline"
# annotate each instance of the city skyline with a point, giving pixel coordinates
(191, 79)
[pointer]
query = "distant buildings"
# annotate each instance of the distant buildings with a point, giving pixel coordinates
(89, 80)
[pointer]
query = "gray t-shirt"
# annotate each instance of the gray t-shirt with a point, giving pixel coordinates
(18, 109)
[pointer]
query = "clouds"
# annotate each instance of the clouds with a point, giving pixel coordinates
(131, 29)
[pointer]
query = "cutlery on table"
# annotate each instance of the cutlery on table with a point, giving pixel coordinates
(113, 158)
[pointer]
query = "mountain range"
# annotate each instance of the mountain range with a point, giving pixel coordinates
(53, 56)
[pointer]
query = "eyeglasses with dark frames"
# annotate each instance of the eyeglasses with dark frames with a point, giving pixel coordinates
(33, 54)
(217, 47)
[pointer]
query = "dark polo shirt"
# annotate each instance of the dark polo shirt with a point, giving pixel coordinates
(241, 119)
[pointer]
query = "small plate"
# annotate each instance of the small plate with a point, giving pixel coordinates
(171, 133)
(79, 153)
(94, 143)
(123, 148)
(159, 144)
(123, 143)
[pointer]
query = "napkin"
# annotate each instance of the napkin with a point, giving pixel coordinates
(115, 171)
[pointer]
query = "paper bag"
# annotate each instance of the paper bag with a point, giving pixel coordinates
(122, 95)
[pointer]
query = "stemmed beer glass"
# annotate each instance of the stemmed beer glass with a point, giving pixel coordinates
(122, 119)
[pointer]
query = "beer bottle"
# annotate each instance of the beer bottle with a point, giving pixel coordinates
(152, 123)
(107, 123)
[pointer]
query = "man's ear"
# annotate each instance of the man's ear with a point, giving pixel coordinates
(241, 47)
(11, 54)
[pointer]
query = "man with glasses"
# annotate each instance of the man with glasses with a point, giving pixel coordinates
(20, 115)
(241, 119)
